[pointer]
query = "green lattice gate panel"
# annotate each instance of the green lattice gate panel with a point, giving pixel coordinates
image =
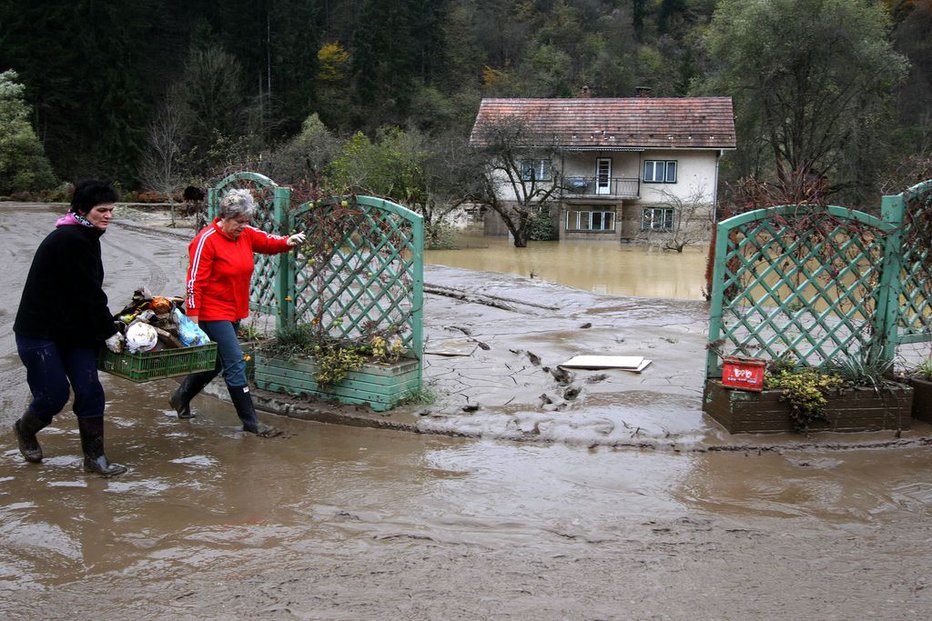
(797, 281)
(266, 292)
(915, 294)
(360, 273)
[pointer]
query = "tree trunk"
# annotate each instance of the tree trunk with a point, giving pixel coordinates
(171, 208)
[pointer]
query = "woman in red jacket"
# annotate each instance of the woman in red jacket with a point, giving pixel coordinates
(221, 265)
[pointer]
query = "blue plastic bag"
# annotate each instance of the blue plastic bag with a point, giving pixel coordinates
(189, 333)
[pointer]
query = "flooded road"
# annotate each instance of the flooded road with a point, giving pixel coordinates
(600, 267)
(337, 522)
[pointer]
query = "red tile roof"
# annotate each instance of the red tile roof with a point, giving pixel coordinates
(629, 123)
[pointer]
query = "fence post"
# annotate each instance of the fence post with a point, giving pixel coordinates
(284, 289)
(893, 210)
(417, 295)
(718, 291)
(213, 203)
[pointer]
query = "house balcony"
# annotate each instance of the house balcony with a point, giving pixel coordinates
(600, 187)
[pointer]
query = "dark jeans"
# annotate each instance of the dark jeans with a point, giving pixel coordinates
(229, 353)
(52, 370)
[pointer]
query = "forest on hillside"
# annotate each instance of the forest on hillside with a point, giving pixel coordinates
(162, 93)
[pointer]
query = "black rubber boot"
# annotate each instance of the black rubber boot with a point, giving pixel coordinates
(189, 388)
(92, 441)
(26, 429)
(242, 401)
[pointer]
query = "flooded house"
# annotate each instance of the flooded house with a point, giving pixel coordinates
(618, 169)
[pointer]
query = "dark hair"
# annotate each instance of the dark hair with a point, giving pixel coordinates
(88, 194)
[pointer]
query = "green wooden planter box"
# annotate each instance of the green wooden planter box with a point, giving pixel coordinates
(857, 409)
(379, 385)
(922, 398)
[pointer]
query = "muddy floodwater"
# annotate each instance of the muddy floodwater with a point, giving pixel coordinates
(600, 266)
(340, 522)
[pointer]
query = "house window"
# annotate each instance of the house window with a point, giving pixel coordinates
(660, 171)
(657, 219)
(590, 220)
(535, 170)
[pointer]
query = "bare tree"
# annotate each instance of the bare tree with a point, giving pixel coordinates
(689, 222)
(444, 162)
(161, 169)
(517, 179)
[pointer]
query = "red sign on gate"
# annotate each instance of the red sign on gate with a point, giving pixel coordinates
(743, 373)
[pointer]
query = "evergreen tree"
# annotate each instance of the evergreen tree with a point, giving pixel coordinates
(23, 165)
(383, 62)
(83, 65)
(294, 42)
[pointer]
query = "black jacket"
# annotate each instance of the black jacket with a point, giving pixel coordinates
(63, 299)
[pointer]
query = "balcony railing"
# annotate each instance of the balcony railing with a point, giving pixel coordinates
(615, 187)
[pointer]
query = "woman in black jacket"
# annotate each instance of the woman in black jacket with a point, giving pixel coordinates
(62, 320)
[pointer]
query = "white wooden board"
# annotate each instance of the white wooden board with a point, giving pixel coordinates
(625, 363)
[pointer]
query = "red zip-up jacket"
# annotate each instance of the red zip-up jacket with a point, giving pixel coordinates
(221, 270)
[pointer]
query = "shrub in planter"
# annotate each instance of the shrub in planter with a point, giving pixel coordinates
(809, 399)
(376, 372)
(807, 393)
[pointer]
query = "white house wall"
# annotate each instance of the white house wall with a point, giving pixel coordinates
(504, 189)
(582, 164)
(695, 172)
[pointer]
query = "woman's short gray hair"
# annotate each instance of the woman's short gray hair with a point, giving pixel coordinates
(236, 203)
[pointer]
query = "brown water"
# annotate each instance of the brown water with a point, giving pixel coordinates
(600, 267)
(333, 522)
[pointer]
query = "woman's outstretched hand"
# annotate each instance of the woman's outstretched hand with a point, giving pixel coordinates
(295, 240)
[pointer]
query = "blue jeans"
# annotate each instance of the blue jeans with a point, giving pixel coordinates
(53, 370)
(229, 353)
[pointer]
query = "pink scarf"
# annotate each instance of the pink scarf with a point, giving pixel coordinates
(73, 219)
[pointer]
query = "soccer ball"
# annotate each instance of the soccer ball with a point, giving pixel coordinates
(141, 337)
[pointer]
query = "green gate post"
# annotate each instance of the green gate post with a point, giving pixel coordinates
(718, 292)
(213, 203)
(893, 210)
(285, 285)
(417, 295)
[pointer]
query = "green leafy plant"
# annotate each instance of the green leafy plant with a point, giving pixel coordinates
(333, 358)
(424, 396)
(386, 350)
(924, 369)
(806, 390)
(248, 332)
(334, 361)
(864, 369)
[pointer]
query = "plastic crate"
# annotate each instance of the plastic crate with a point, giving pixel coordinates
(153, 365)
